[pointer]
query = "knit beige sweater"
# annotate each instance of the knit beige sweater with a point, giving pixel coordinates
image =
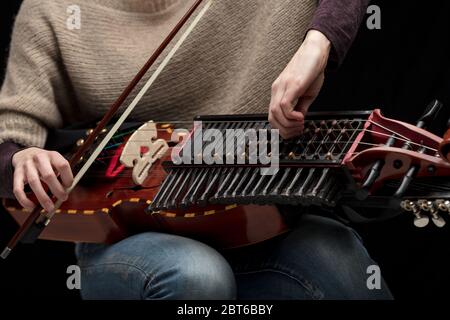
(57, 76)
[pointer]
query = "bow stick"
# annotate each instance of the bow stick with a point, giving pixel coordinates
(39, 219)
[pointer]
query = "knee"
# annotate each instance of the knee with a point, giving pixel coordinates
(330, 242)
(336, 259)
(205, 276)
(193, 271)
(330, 234)
(156, 266)
(325, 258)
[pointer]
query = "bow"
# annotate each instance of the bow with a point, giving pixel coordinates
(39, 219)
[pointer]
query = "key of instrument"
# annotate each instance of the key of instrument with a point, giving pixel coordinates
(237, 191)
(286, 195)
(304, 186)
(196, 187)
(319, 185)
(180, 189)
(172, 188)
(164, 189)
(215, 176)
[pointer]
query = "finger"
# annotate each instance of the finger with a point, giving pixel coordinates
(34, 181)
(290, 98)
(289, 112)
(19, 189)
(62, 166)
(48, 175)
(285, 133)
(283, 121)
(281, 108)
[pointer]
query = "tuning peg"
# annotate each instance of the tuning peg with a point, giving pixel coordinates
(373, 174)
(420, 221)
(438, 220)
(80, 142)
(425, 205)
(430, 114)
(443, 205)
(406, 182)
(429, 206)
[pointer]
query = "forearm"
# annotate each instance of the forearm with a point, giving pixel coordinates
(317, 44)
(339, 21)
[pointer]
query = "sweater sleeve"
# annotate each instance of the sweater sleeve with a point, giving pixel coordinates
(339, 21)
(27, 96)
(7, 151)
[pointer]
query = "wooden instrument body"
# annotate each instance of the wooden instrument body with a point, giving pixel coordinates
(106, 209)
(102, 209)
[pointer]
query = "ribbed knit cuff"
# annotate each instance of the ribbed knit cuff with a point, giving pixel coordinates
(21, 129)
(7, 151)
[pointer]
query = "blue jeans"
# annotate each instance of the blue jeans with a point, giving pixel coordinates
(320, 259)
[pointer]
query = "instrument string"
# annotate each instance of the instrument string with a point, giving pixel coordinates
(397, 135)
(325, 142)
(127, 173)
(321, 142)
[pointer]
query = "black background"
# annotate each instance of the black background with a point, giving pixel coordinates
(399, 69)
